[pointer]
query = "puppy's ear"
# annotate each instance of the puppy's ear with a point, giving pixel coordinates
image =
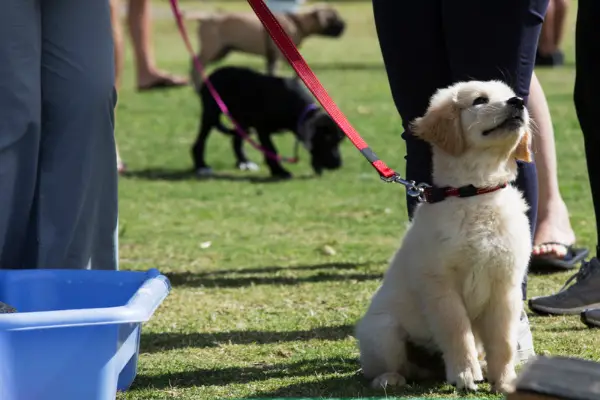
(522, 151)
(441, 127)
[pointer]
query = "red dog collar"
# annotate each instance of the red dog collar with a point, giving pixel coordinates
(436, 194)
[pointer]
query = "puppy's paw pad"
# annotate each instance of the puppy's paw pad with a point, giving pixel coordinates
(388, 379)
(204, 171)
(248, 166)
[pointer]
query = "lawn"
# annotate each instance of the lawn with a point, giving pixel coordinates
(261, 307)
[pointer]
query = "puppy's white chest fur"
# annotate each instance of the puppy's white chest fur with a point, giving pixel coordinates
(481, 244)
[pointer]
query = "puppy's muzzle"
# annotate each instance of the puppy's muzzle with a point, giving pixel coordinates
(515, 118)
(516, 102)
(334, 29)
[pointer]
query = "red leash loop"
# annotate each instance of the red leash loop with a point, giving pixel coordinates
(215, 94)
(295, 59)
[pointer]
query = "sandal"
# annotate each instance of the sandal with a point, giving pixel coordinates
(163, 83)
(550, 262)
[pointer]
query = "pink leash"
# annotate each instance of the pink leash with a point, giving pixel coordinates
(215, 94)
(291, 53)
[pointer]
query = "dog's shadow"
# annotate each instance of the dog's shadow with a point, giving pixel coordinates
(164, 174)
(154, 342)
(331, 272)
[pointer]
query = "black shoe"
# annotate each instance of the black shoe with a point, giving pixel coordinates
(550, 60)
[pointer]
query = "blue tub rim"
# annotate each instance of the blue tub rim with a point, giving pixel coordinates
(140, 307)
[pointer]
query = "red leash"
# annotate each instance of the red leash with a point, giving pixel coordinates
(215, 94)
(289, 50)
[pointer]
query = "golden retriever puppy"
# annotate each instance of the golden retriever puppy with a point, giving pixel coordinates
(454, 286)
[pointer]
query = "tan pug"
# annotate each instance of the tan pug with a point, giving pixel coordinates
(220, 33)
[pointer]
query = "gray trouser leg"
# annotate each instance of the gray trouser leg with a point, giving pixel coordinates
(77, 213)
(20, 126)
(58, 179)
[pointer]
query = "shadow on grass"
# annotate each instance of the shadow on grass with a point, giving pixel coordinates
(264, 270)
(561, 329)
(191, 279)
(248, 277)
(350, 384)
(353, 386)
(162, 174)
(254, 373)
(156, 342)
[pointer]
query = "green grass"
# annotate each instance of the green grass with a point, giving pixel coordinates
(264, 312)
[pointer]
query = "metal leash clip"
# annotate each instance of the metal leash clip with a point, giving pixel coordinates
(412, 188)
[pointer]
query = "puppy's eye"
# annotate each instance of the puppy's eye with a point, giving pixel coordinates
(480, 100)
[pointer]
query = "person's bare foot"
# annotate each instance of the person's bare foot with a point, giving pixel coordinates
(160, 80)
(553, 227)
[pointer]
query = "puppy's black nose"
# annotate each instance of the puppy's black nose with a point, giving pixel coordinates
(516, 102)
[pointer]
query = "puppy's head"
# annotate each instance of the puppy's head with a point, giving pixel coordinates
(478, 118)
(328, 21)
(322, 138)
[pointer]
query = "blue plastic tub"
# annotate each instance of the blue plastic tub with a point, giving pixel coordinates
(76, 334)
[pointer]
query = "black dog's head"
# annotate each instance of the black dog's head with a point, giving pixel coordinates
(329, 21)
(322, 137)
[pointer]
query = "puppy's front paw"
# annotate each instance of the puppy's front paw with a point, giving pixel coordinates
(248, 166)
(204, 171)
(465, 380)
(388, 379)
(506, 383)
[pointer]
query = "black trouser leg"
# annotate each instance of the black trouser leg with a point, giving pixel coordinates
(434, 43)
(587, 87)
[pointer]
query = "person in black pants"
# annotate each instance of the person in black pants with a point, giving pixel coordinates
(430, 44)
(584, 295)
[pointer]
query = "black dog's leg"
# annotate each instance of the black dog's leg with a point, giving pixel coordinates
(198, 149)
(274, 166)
(242, 161)
(271, 57)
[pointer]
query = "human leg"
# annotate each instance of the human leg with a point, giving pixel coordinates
(549, 53)
(20, 124)
(554, 236)
(139, 19)
(117, 32)
(412, 83)
(585, 291)
(506, 52)
(77, 207)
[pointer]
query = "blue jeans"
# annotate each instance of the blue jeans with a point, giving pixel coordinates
(58, 179)
(429, 44)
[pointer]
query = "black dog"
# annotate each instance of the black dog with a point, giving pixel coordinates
(268, 105)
